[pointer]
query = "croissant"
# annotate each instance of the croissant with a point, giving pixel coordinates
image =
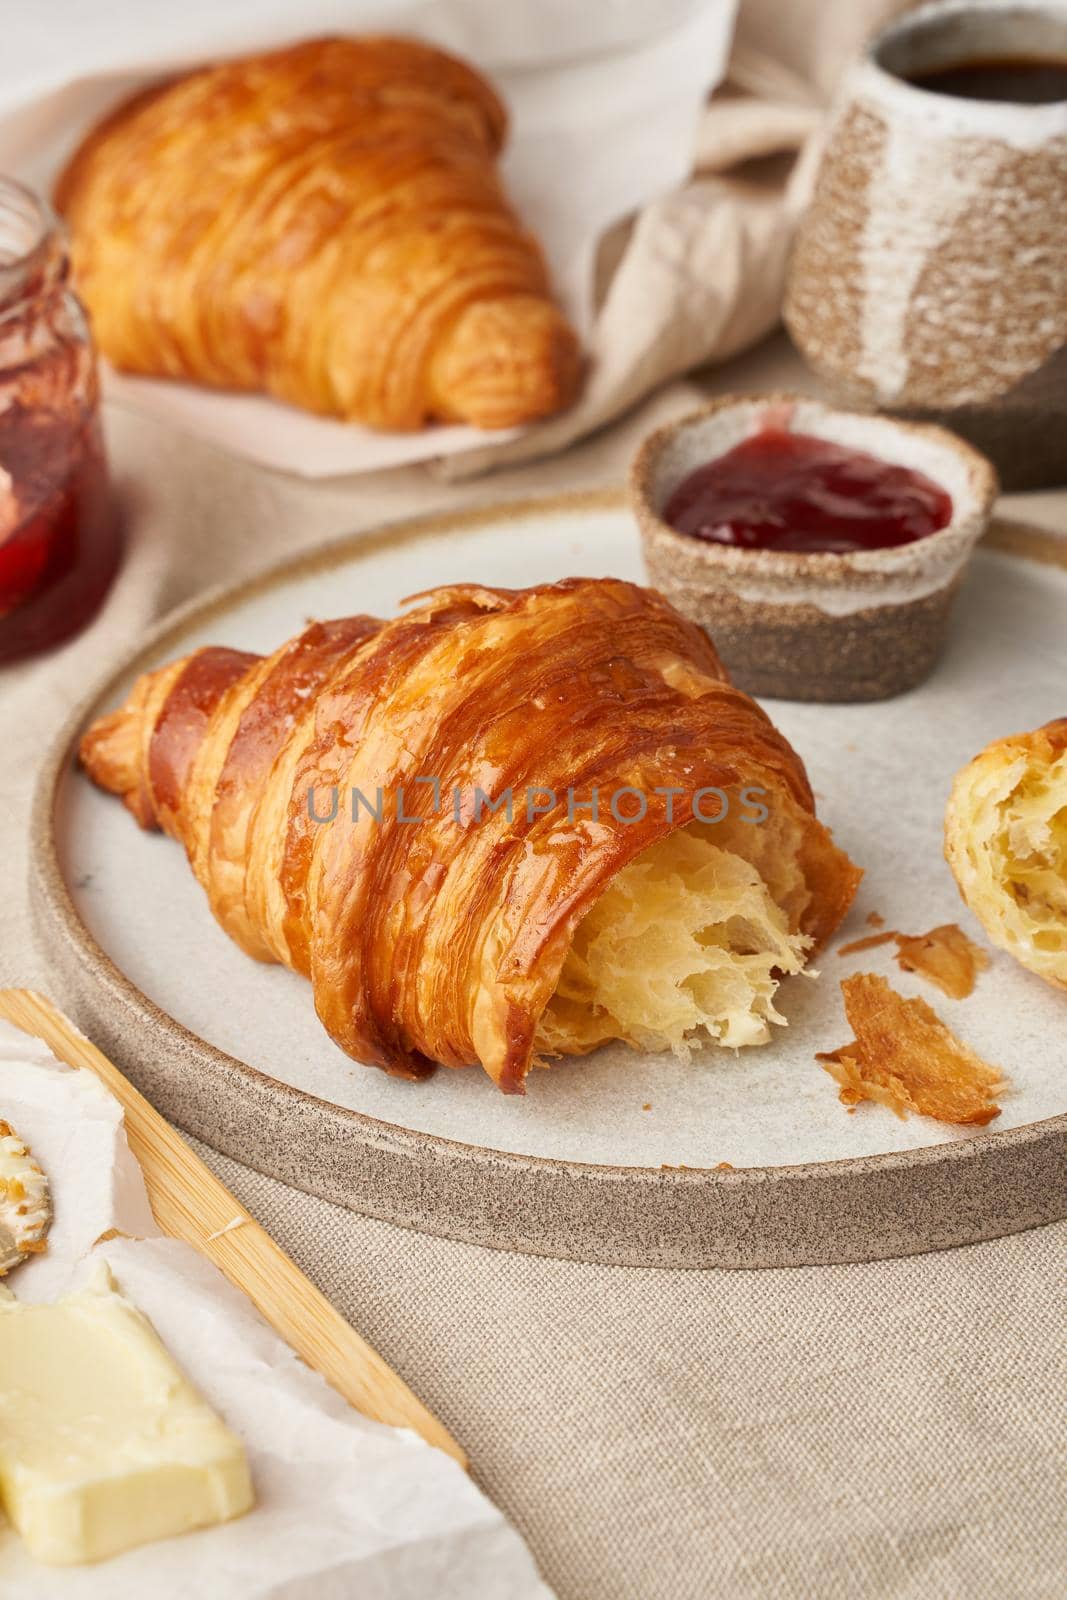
(325, 224)
(487, 831)
(1006, 842)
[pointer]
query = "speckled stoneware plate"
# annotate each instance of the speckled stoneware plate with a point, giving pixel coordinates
(615, 1157)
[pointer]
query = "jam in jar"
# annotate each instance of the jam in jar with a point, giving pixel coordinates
(59, 533)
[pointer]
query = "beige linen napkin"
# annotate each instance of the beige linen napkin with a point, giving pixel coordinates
(698, 276)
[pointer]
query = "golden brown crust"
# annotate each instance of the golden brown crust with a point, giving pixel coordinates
(1006, 842)
(944, 956)
(441, 940)
(323, 223)
(115, 749)
(904, 1057)
(183, 720)
(276, 699)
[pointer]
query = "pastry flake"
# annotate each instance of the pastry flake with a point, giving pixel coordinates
(325, 224)
(904, 1056)
(870, 941)
(945, 956)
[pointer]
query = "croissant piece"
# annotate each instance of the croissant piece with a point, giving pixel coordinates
(324, 224)
(1006, 842)
(945, 956)
(483, 830)
(904, 1057)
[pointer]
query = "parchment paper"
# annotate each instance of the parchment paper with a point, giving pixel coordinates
(604, 102)
(344, 1506)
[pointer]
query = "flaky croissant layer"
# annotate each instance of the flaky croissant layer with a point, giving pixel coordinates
(342, 801)
(325, 224)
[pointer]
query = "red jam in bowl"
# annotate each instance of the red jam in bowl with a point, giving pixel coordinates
(791, 491)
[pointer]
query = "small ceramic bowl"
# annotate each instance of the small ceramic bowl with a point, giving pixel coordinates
(854, 626)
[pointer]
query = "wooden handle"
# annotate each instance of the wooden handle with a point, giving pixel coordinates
(190, 1203)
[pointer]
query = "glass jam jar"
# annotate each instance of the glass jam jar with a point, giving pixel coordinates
(60, 539)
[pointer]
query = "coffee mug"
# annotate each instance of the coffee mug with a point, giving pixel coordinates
(929, 273)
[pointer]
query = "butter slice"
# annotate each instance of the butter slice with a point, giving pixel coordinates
(104, 1443)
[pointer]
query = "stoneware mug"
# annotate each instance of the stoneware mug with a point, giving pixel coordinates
(929, 274)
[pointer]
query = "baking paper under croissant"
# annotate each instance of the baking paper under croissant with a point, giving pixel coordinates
(1006, 842)
(325, 224)
(443, 940)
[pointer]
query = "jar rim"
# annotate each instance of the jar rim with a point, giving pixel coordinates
(33, 251)
(946, 33)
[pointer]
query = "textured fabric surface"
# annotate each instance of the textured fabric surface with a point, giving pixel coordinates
(894, 1429)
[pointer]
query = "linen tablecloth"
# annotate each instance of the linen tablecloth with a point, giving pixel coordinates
(887, 1430)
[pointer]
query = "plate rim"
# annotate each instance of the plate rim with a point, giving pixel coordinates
(1005, 536)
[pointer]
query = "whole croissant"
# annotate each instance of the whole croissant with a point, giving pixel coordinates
(1006, 842)
(325, 224)
(342, 802)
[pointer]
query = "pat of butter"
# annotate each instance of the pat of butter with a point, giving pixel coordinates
(104, 1443)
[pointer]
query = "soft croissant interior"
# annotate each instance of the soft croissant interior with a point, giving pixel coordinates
(687, 944)
(1022, 874)
(1033, 847)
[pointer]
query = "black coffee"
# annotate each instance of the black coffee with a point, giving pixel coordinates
(1026, 80)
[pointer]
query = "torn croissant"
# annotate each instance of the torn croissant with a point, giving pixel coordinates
(325, 224)
(904, 1057)
(486, 931)
(1006, 842)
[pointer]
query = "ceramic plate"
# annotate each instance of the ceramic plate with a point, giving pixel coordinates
(614, 1157)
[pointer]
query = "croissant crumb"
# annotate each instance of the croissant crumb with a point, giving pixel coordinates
(945, 956)
(904, 1057)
